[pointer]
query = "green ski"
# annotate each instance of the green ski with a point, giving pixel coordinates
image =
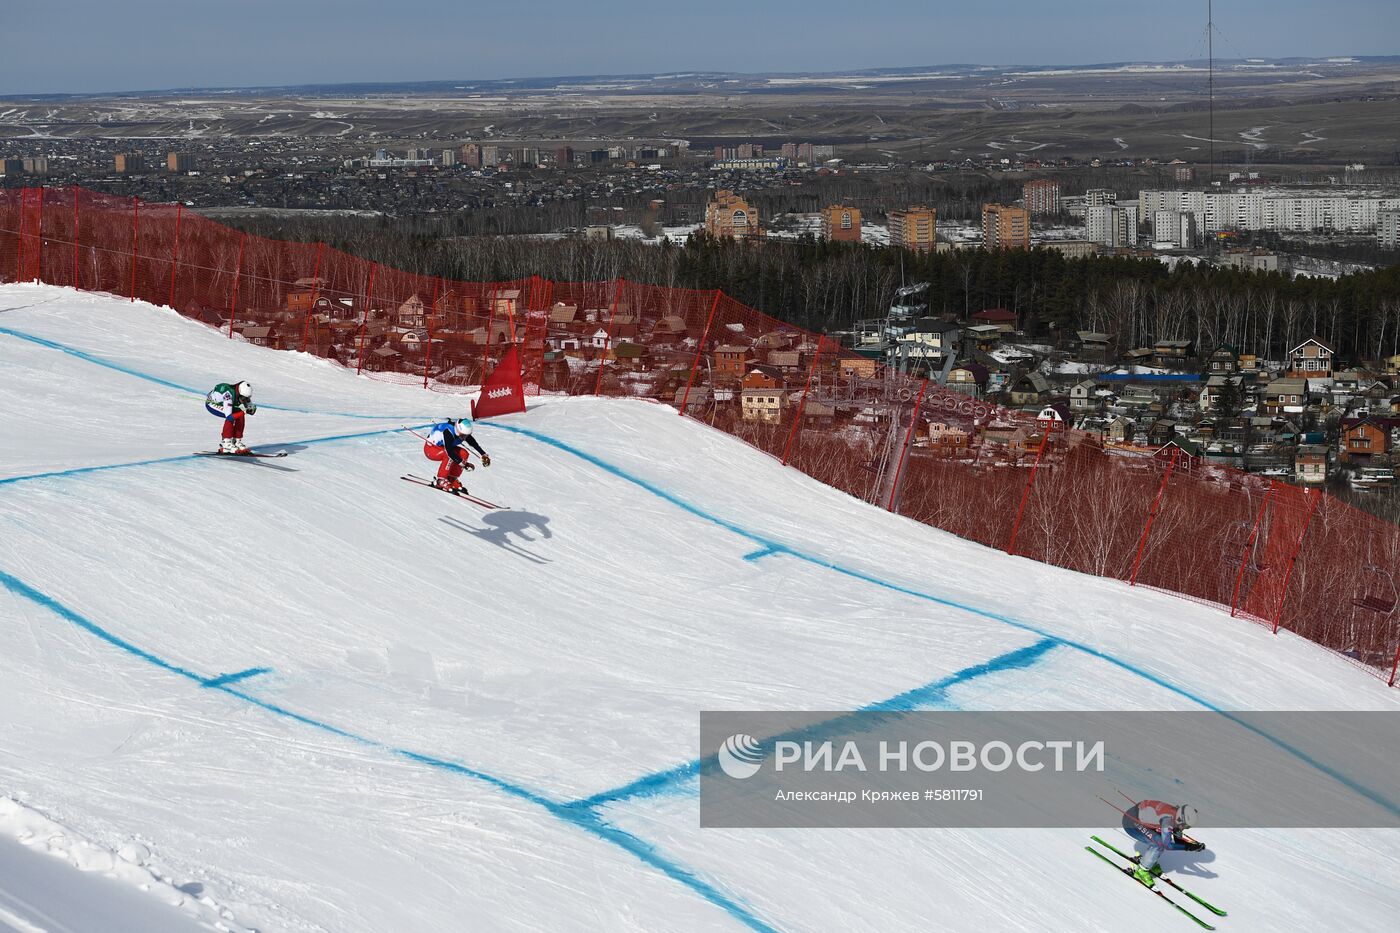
(1134, 859)
(1129, 872)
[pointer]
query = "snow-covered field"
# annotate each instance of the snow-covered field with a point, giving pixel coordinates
(303, 695)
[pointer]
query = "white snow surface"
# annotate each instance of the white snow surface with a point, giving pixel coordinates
(440, 682)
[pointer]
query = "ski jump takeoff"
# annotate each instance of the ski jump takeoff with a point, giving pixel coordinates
(445, 444)
(231, 401)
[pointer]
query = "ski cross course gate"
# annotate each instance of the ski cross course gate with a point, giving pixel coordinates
(1261, 550)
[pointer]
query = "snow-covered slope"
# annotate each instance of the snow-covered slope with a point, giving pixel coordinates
(338, 701)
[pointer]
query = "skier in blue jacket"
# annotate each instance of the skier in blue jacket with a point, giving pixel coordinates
(446, 445)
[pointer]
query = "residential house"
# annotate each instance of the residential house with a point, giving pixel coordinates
(787, 361)
(1004, 320)
(985, 337)
(1171, 354)
(948, 440)
(563, 313)
(1224, 360)
(1083, 396)
(931, 338)
(412, 313)
(672, 325)
(857, 367)
(1121, 430)
(1054, 416)
(732, 361)
(1093, 346)
(763, 405)
(630, 355)
(763, 376)
(774, 340)
(1216, 386)
(1311, 359)
(968, 378)
(1284, 396)
(1310, 464)
(1364, 439)
(1187, 452)
(1029, 389)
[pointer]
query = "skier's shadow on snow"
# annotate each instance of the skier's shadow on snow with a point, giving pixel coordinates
(1186, 863)
(502, 524)
(280, 448)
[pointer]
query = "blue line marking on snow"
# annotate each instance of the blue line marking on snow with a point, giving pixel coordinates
(934, 693)
(1386, 804)
(224, 680)
(79, 471)
(761, 553)
(166, 383)
(569, 811)
(588, 822)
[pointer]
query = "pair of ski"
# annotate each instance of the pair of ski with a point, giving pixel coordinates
(1133, 859)
(241, 453)
(459, 493)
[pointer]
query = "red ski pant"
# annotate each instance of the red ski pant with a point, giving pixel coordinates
(233, 427)
(446, 468)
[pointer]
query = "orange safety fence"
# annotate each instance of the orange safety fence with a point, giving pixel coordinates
(1259, 549)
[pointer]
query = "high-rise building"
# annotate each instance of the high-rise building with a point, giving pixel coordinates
(789, 151)
(841, 222)
(1388, 228)
(913, 228)
(11, 166)
(490, 156)
(1097, 197)
(1042, 196)
(728, 215)
(449, 158)
(471, 155)
(1185, 174)
(804, 152)
(1111, 225)
(36, 165)
(130, 163)
(1175, 227)
(1005, 227)
(179, 162)
(564, 156)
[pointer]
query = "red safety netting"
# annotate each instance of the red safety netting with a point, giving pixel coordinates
(1261, 550)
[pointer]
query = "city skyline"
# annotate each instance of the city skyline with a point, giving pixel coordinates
(155, 45)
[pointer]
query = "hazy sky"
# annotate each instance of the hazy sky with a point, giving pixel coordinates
(51, 46)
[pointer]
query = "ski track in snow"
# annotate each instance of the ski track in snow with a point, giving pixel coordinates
(582, 813)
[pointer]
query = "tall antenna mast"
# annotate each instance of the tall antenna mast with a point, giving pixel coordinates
(1210, 83)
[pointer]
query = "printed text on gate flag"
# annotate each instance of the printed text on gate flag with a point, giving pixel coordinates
(1044, 769)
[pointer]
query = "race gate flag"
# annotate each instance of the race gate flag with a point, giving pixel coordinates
(504, 391)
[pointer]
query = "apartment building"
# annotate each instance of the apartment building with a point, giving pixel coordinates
(841, 222)
(1041, 196)
(1005, 227)
(728, 215)
(914, 228)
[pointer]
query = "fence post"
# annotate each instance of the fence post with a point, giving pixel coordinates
(1249, 548)
(904, 450)
(135, 240)
(237, 272)
(364, 321)
(699, 349)
(432, 313)
(1393, 667)
(607, 341)
(175, 257)
(486, 344)
(315, 293)
(1026, 493)
(1316, 497)
(77, 262)
(39, 239)
(802, 405)
(1152, 516)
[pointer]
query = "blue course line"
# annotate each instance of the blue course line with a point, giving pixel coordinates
(224, 680)
(1384, 803)
(166, 383)
(589, 822)
(760, 553)
(661, 782)
(776, 547)
(79, 471)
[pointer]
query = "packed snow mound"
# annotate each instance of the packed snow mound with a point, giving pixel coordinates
(341, 701)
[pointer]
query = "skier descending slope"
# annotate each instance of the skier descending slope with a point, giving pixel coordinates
(231, 401)
(445, 444)
(1161, 827)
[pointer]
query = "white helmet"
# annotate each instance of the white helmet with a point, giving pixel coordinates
(1185, 816)
(245, 389)
(463, 426)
